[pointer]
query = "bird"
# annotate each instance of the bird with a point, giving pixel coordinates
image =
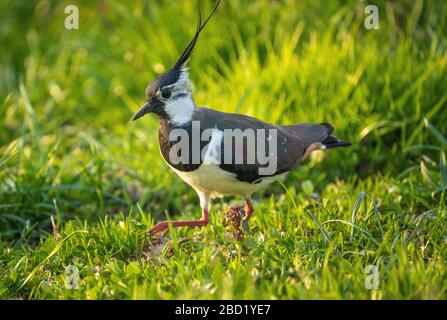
(170, 98)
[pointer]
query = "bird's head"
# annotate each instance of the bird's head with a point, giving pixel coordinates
(169, 95)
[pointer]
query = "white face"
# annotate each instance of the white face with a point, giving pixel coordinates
(178, 100)
(180, 110)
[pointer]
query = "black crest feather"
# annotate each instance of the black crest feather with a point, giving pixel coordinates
(181, 62)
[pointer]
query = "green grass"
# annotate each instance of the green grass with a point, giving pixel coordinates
(69, 152)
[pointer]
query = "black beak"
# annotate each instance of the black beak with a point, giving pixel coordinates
(146, 108)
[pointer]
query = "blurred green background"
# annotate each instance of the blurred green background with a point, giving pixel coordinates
(68, 148)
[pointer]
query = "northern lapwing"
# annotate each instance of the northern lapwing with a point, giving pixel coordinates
(169, 97)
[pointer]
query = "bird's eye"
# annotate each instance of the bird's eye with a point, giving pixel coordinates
(166, 94)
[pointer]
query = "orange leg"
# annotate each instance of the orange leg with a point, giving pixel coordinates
(162, 226)
(248, 209)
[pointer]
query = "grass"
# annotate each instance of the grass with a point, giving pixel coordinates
(80, 184)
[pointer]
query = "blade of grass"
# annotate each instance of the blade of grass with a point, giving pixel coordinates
(366, 233)
(436, 133)
(356, 210)
(325, 233)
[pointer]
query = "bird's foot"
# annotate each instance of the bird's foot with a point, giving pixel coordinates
(160, 227)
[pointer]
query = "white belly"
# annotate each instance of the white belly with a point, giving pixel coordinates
(212, 180)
